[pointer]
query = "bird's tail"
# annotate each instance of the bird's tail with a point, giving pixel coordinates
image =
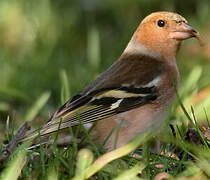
(53, 125)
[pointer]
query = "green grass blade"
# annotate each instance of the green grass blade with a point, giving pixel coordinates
(37, 106)
(93, 48)
(65, 90)
(16, 164)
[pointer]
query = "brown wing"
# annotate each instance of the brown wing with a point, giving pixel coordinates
(119, 89)
(128, 70)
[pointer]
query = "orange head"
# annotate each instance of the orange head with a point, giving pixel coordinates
(162, 32)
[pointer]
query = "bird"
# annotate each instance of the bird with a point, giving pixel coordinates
(135, 93)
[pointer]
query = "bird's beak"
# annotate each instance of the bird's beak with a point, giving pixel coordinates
(184, 31)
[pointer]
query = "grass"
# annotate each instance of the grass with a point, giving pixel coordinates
(50, 50)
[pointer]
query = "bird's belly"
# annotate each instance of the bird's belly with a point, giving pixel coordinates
(129, 125)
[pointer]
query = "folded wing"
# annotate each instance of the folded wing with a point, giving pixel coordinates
(124, 86)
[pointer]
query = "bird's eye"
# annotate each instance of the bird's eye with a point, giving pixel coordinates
(161, 23)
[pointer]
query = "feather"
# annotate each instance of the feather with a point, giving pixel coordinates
(101, 105)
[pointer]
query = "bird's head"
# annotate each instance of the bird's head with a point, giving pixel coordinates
(162, 32)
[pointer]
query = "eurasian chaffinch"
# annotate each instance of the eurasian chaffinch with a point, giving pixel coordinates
(135, 91)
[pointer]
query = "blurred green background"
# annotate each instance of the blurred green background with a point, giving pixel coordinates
(44, 44)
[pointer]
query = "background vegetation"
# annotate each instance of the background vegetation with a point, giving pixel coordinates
(49, 50)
